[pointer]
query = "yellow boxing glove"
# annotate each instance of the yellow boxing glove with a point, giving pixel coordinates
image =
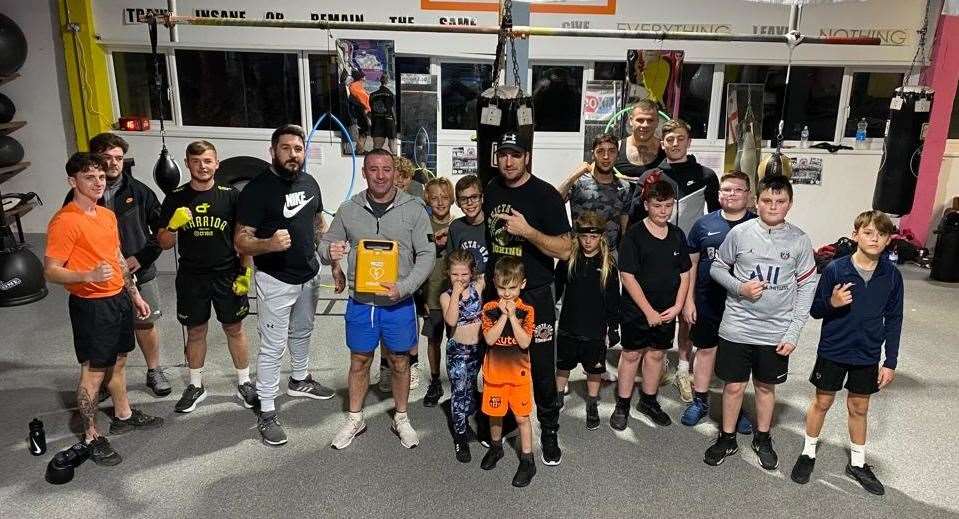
(181, 217)
(241, 285)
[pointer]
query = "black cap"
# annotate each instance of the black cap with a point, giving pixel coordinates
(511, 141)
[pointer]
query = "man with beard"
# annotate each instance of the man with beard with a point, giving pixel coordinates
(138, 217)
(640, 151)
(201, 216)
(527, 218)
(279, 222)
(593, 187)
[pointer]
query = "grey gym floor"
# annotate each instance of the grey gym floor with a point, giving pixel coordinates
(210, 463)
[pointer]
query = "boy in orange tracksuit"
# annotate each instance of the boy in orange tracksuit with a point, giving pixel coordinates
(507, 385)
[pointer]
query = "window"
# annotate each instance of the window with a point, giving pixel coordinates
(327, 93)
(695, 89)
(136, 90)
(407, 65)
(813, 98)
(869, 98)
(557, 97)
(238, 89)
(461, 86)
(610, 70)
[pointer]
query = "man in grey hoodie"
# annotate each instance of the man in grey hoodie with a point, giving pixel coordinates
(380, 212)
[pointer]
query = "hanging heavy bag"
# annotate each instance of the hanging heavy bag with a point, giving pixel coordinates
(896, 183)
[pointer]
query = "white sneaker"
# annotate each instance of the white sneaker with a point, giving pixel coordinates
(349, 430)
(609, 375)
(684, 382)
(404, 430)
(414, 376)
(386, 380)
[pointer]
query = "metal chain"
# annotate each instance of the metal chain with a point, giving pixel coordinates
(508, 14)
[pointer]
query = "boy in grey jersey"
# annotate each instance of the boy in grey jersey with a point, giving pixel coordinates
(768, 270)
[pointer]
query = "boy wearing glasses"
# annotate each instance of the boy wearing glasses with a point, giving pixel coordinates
(469, 231)
(594, 187)
(706, 299)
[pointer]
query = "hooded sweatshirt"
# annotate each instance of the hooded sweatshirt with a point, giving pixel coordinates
(405, 222)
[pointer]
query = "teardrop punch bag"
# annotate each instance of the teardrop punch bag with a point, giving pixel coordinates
(908, 116)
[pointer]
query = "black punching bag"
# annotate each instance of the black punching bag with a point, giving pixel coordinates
(896, 184)
(500, 111)
(166, 172)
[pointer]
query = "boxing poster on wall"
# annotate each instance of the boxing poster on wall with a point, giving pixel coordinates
(654, 75)
(601, 101)
(807, 170)
(418, 123)
(744, 127)
(464, 160)
(366, 73)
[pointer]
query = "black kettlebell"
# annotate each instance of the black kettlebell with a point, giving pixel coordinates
(62, 467)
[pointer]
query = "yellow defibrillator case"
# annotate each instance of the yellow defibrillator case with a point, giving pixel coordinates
(377, 261)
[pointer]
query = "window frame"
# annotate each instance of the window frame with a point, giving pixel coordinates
(115, 91)
(587, 67)
(846, 107)
(439, 62)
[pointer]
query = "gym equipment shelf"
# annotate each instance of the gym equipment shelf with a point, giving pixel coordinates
(13, 215)
(12, 126)
(11, 171)
(6, 79)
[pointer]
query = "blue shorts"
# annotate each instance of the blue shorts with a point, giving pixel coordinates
(368, 325)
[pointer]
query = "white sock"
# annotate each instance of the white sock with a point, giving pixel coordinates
(857, 454)
(683, 367)
(242, 376)
(196, 377)
(809, 449)
(267, 406)
(400, 417)
(356, 417)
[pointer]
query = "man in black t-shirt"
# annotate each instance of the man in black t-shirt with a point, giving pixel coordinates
(279, 221)
(383, 128)
(526, 217)
(654, 266)
(200, 215)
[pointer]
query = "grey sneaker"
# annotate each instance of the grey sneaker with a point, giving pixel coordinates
(349, 430)
(137, 420)
(309, 388)
(158, 382)
(246, 392)
(270, 428)
(404, 430)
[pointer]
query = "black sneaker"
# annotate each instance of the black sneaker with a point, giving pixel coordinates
(865, 477)
(654, 412)
(462, 449)
(552, 454)
(246, 392)
(433, 393)
(724, 447)
(102, 453)
(525, 471)
(137, 420)
(617, 421)
(270, 429)
(763, 447)
(592, 415)
(803, 469)
(192, 396)
(309, 388)
(493, 455)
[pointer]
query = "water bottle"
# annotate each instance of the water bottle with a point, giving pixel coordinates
(861, 133)
(804, 137)
(37, 439)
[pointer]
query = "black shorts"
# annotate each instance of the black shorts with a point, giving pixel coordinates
(705, 333)
(829, 375)
(736, 361)
(434, 325)
(196, 292)
(637, 334)
(102, 329)
(573, 349)
(383, 127)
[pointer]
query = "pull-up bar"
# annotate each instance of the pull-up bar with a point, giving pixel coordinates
(521, 31)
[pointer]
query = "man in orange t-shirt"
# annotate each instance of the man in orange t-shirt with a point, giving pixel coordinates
(83, 254)
(508, 330)
(359, 103)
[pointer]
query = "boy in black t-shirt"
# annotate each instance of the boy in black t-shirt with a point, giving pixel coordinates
(654, 267)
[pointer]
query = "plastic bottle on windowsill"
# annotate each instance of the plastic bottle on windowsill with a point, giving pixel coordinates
(861, 134)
